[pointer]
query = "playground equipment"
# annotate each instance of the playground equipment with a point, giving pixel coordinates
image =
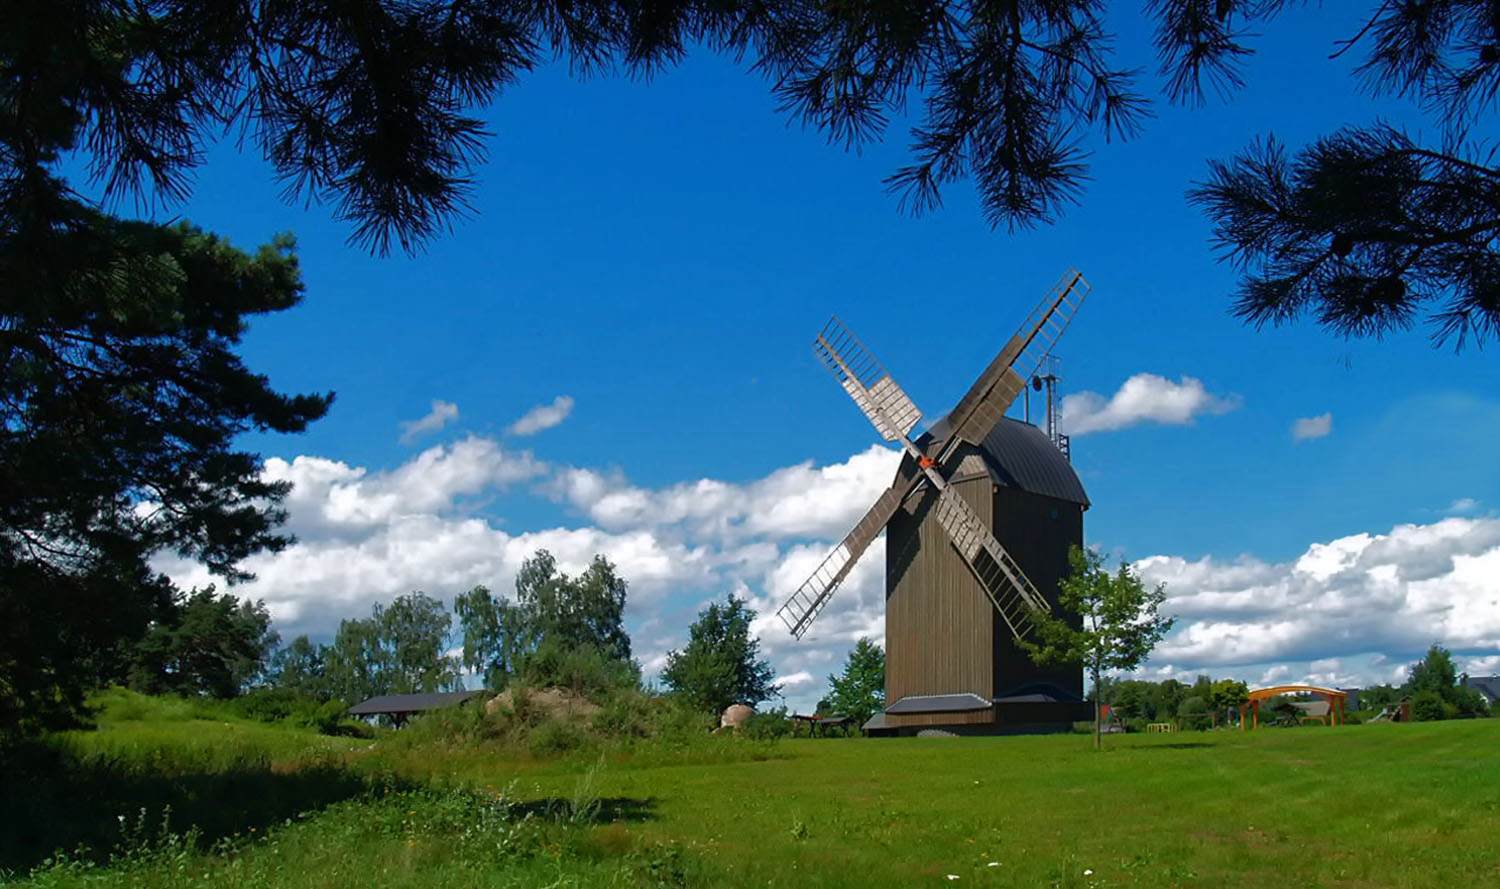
(1333, 696)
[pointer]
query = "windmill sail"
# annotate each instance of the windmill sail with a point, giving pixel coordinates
(886, 405)
(803, 606)
(992, 394)
(1012, 594)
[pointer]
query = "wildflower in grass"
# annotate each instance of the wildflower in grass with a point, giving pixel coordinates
(993, 864)
(953, 876)
(1087, 872)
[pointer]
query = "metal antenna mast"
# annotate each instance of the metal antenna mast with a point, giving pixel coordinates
(1049, 380)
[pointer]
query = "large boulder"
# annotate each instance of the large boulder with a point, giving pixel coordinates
(735, 714)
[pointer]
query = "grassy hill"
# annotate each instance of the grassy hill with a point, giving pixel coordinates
(256, 805)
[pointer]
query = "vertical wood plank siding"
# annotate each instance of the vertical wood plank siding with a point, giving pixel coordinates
(1037, 531)
(939, 623)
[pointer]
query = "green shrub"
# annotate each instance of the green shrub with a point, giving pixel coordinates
(583, 669)
(1428, 706)
(771, 725)
(626, 715)
(555, 737)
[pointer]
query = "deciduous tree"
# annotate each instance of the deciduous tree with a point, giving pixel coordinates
(400, 649)
(1120, 621)
(721, 663)
(560, 630)
(1226, 695)
(299, 668)
(859, 692)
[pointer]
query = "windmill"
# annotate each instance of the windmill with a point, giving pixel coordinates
(956, 597)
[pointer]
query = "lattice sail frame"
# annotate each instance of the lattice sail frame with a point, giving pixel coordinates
(886, 405)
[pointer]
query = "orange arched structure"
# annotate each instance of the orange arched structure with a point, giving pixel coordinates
(1334, 697)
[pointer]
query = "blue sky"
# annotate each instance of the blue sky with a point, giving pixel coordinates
(662, 253)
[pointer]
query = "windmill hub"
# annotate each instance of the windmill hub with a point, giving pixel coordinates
(979, 520)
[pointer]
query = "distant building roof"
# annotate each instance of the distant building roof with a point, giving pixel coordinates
(1489, 686)
(938, 704)
(1312, 708)
(392, 704)
(1019, 455)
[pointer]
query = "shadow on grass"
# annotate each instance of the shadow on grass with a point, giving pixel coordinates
(607, 810)
(51, 800)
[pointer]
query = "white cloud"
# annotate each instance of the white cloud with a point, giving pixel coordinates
(1463, 506)
(331, 498)
(797, 502)
(543, 416)
(1312, 427)
(1393, 593)
(1144, 398)
(799, 679)
(442, 413)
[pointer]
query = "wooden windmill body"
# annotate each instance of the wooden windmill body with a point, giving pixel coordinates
(979, 520)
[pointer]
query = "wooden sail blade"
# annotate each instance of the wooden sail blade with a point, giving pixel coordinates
(1007, 586)
(1002, 381)
(885, 404)
(803, 606)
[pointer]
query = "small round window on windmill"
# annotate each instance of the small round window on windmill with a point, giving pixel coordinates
(1054, 512)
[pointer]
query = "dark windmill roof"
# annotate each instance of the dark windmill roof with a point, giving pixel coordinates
(389, 704)
(1021, 456)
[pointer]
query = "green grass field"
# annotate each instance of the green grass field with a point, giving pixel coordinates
(1383, 805)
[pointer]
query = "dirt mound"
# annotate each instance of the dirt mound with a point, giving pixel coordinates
(558, 703)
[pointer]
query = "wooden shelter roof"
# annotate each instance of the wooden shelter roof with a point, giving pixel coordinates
(1261, 694)
(389, 705)
(938, 704)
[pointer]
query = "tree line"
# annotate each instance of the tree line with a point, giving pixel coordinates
(557, 630)
(1433, 688)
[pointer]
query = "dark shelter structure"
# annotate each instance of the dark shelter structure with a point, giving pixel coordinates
(981, 515)
(398, 708)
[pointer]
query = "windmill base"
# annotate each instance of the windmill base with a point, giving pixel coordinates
(1001, 717)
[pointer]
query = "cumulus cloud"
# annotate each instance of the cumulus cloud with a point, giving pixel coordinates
(799, 679)
(1312, 427)
(331, 498)
(1144, 398)
(1393, 593)
(801, 501)
(442, 413)
(543, 416)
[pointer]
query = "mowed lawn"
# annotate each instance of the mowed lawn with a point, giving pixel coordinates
(1384, 805)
